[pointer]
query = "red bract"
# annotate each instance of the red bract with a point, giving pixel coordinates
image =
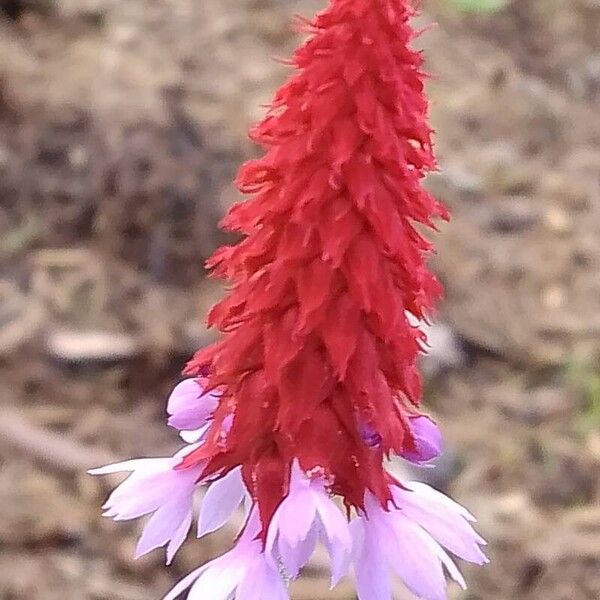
(317, 344)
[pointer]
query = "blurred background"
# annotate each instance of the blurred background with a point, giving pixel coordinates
(121, 127)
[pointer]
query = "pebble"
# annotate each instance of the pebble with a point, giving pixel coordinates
(445, 351)
(553, 296)
(558, 221)
(545, 404)
(514, 215)
(462, 180)
(91, 346)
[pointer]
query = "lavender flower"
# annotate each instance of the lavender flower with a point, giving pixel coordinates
(190, 409)
(428, 440)
(409, 540)
(306, 515)
(427, 436)
(155, 487)
(244, 572)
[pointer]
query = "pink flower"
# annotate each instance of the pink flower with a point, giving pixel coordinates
(155, 487)
(427, 436)
(409, 539)
(243, 571)
(428, 440)
(190, 409)
(306, 515)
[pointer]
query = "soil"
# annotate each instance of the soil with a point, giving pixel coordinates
(121, 127)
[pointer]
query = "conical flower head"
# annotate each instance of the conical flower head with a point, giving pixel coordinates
(317, 341)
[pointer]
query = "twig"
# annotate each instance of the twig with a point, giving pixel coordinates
(56, 451)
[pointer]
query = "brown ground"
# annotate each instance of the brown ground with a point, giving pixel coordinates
(121, 125)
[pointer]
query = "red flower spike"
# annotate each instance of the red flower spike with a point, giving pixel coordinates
(317, 344)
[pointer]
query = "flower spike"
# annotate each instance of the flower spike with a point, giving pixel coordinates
(315, 380)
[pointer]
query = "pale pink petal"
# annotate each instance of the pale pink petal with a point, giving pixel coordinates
(257, 581)
(370, 567)
(298, 479)
(140, 494)
(404, 539)
(150, 464)
(296, 556)
(451, 567)
(252, 586)
(165, 524)
(305, 514)
(137, 497)
(195, 435)
(445, 524)
(414, 557)
(272, 536)
(251, 528)
(221, 500)
(243, 573)
(184, 394)
(297, 513)
(219, 580)
(179, 537)
(339, 541)
(189, 407)
(443, 500)
(261, 581)
(156, 486)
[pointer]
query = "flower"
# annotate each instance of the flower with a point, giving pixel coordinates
(155, 486)
(426, 436)
(244, 571)
(428, 440)
(409, 539)
(190, 409)
(306, 515)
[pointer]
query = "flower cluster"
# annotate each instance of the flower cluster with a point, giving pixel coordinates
(409, 537)
(315, 379)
